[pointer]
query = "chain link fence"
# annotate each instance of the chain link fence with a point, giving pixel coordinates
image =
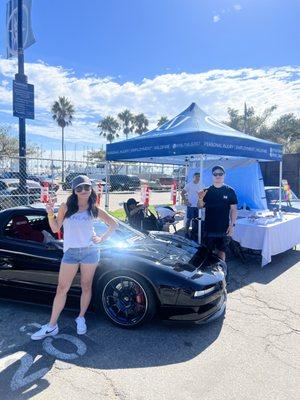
(26, 181)
(132, 180)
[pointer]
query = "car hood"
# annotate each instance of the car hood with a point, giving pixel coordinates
(180, 257)
(167, 250)
(150, 249)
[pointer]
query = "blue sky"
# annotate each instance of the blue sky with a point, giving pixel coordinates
(143, 38)
(156, 56)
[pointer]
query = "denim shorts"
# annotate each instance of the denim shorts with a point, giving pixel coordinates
(82, 255)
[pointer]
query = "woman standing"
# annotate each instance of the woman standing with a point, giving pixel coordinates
(77, 217)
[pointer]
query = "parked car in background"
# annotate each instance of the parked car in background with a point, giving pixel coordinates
(124, 182)
(163, 183)
(10, 175)
(41, 179)
(6, 198)
(53, 186)
(289, 203)
(11, 196)
(155, 185)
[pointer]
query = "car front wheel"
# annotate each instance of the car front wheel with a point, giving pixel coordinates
(127, 299)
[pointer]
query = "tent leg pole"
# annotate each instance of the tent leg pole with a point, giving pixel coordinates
(280, 184)
(107, 180)
(200, 210)
(185, 182)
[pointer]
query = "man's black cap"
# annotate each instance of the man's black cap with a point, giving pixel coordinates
(131, 201)
(218, 167)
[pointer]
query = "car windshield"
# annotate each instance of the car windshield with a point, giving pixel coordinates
(273, 195)
(122, 233)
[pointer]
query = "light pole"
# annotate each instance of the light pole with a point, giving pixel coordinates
(20, 77)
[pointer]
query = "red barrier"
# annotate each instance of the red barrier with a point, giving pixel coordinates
(99, 193)
(45, 192)
(147, 196)
(174, 193)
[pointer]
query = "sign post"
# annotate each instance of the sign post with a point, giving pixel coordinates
(23, 93)
(20, 77)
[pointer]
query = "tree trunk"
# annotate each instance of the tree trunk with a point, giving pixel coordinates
(62, 155)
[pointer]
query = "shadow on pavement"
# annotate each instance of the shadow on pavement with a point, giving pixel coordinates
(243, 274)
(105, 347)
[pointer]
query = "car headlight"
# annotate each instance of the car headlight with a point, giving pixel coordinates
(201, 293)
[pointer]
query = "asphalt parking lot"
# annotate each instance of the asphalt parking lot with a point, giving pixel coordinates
(253, 353)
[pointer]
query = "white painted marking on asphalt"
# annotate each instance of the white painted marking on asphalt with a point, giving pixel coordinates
(50, 349)
(19, 380)
(31, 324)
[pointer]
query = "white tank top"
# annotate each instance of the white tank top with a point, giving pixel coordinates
(78, 230)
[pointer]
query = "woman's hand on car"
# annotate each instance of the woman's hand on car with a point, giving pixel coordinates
(98, 239)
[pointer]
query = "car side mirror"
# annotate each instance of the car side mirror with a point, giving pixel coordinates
(53, 246)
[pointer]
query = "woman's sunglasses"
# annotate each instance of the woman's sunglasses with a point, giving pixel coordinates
(82, 187)
(218, 173)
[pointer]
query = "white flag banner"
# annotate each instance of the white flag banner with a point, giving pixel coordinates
(12, 27)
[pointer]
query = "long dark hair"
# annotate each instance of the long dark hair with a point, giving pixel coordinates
(72, 204)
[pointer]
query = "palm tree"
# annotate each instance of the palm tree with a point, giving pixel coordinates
(162, 120)
(63, 112)
(127, 120)
(109, 127)
(141, 123)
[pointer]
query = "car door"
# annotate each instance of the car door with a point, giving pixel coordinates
(25, 262)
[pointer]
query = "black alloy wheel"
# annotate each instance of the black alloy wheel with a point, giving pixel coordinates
(127, 299)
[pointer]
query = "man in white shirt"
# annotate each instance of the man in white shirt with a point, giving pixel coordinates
(190, 196)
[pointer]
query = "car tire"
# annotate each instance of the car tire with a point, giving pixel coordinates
(145, 299)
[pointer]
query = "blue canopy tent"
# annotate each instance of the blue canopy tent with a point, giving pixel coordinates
(192, 132)
(192, 136)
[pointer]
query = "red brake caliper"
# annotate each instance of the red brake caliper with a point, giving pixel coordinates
(140, 298)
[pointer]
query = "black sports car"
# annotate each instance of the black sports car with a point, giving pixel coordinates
(137, 274)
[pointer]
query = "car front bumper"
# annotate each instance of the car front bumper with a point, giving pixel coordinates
(213, 308)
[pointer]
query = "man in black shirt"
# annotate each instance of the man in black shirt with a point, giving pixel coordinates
(220, 204)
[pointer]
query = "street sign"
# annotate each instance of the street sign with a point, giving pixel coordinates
(23, 100)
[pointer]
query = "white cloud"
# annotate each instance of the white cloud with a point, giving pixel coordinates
(167, 94)
(227, 11)
(237, 7)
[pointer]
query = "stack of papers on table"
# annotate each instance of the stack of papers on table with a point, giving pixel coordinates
(266, 220)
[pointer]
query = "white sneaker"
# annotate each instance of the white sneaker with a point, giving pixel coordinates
(81, 325)
(44, 332)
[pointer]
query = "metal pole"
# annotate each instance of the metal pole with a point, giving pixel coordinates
(280, 184)
(107, 181)
(200, 210)
(22, 78)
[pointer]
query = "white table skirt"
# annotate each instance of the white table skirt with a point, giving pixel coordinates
(271, 239)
